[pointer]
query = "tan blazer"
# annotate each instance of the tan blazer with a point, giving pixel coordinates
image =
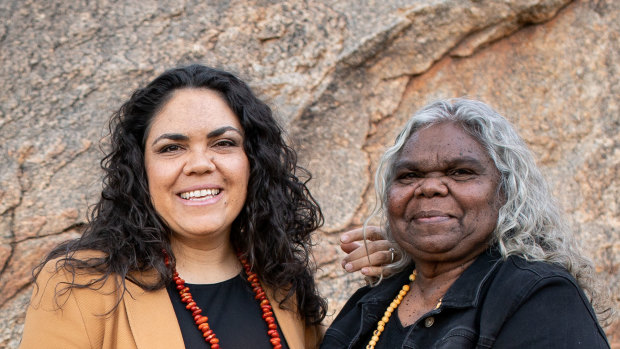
(143, 320)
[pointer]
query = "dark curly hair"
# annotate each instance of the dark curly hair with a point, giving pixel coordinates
(273, 229)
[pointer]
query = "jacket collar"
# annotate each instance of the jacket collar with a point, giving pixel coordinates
(463, 293)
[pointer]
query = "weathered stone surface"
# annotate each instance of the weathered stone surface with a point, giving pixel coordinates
(16, 276)
(343, 77)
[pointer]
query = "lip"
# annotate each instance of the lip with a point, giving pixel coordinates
(198, 187)
(431, 217)
(199, 202)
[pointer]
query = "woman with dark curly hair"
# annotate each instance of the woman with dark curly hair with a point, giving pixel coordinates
(201, 234)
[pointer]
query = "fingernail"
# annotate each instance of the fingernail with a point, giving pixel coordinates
(344, 238)
(365, 271)
(348, 267)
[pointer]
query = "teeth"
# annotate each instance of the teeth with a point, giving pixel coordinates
(200, 194)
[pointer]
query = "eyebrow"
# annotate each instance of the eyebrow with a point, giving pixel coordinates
(171, 136)
(463, 160)
(220, 131)
(181, 137)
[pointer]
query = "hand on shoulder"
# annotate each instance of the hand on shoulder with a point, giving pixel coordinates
(369, 259)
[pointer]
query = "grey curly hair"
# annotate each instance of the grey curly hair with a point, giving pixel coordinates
(529, 224)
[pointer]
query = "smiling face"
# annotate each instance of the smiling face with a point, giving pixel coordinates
(443, 203)
(196, 166)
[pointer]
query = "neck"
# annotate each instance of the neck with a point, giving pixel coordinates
(434, 279)
(205, 264)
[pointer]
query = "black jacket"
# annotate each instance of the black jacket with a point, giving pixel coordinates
(493, 304)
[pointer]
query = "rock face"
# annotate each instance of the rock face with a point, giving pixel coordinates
(343, 78)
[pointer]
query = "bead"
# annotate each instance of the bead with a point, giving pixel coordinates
(260, 295)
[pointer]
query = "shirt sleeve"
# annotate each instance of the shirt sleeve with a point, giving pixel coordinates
(554, 314)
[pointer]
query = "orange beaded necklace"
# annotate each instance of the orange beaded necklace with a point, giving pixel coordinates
(390, 309)
(201, 320)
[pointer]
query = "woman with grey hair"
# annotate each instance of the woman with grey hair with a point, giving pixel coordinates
(487, 260)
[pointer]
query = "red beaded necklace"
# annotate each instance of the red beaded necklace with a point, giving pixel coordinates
(201, 320)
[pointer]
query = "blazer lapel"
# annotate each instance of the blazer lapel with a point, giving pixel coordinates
(152, 319)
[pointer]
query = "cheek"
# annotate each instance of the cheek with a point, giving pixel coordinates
(397, 200)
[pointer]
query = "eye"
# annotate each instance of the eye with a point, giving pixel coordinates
(169, 148)
(461, 173)
(226, 143)
(408, 175)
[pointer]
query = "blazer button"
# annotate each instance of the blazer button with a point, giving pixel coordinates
(429, 321)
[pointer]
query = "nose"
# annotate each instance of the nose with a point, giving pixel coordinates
(430, 187)
(199, 162)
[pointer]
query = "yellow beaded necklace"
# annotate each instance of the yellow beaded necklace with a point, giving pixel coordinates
(390, 309)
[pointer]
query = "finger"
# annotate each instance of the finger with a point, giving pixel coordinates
(372, 271)
(373, 233)
(376, 259)
(350, 247)
(360, 252)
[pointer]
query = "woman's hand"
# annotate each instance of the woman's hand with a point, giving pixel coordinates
(379, 251)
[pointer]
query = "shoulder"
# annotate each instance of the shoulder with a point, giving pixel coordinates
(541, 299)
(522, 274)
(61, 297)
(61, 279)
(519, 285)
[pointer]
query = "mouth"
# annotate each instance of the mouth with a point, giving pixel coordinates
(431, 216)
(199, 194)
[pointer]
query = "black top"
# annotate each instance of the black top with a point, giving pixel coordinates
(495, 303)
(234, 315)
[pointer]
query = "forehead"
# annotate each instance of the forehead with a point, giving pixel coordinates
(194, 107)
(443, 142)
